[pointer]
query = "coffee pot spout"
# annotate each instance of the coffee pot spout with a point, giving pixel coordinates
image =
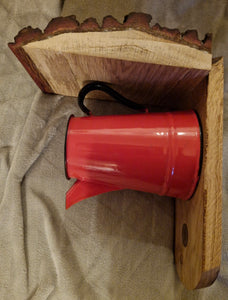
(83, 189)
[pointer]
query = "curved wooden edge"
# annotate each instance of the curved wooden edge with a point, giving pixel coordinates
(138, 21)
(198, 260)
(60, 25)
(208, 278)
(31, 68)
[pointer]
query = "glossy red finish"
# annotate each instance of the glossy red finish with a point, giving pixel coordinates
(154, 152)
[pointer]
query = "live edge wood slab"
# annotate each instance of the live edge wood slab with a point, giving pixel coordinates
(162, 68)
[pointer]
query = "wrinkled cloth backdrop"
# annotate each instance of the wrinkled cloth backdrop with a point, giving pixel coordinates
(113, 246)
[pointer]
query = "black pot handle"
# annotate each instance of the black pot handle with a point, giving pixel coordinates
(97, 85)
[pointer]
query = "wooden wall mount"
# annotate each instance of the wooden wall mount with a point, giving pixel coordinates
(198, 236)
(129, 55)
(159, 67)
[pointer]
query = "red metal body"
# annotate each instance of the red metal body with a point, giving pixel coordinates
(154, 152)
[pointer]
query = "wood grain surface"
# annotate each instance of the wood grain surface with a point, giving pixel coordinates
(198, 237)
(66, 73)
(67, 54)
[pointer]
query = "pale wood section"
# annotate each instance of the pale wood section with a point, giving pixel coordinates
(138, 70)
(213, 169)
(131, 45)
(198, 263)
(135, 40)
(67, 73)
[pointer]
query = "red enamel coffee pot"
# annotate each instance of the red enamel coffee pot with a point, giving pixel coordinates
(152, 152)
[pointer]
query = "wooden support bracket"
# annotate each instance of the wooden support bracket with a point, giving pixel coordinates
(159, 67)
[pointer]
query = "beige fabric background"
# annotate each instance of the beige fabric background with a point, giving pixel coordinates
(113, 246)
